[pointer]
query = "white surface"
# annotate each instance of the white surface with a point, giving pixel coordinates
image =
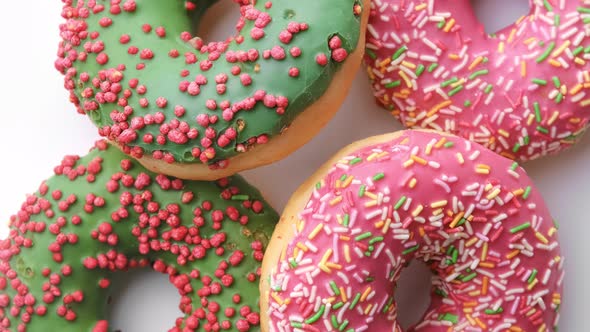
(38, 126)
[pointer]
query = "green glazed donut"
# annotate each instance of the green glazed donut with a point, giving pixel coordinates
(103, 214)
(149, 83)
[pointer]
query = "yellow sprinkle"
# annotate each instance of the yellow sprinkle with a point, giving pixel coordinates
(302, 246)
(419, 160)
(365, 294)
(372, 156)
(408, 65)
(413, 182)
(371, 203)
(474, 293)
(338, 183)
(542, 328)
(417, 210)
(585, 102)
(276, 298)
(385, 62)
(482, 171)
(326, 256)
(405, 78)
(371, 195)
(440, 142)
(484, 252)
(437, 212)
(457, 219)
(493, 194)
(428, 149)
(471, 320)
(420, 6)
(300, 225)
(347, 182)
(523, 68)
(460, 158)
(475, 62)
(563, 89)
(454, 56)
(541, 238)
(577, 88)
(579, 61)
(336, 200)
(471, 242)
(533, 284)
(501, 47)
(386, 226)
(295, 252)
(347, 253)
(368, 308)
(504, 133)
(344, 238)
(438, 204)
(483, 166)
(586, 76)
(334, 266)
(511, 37)
(560, 49)
(530, 40)
(552, 231)
(408, 163)
(520, 19)
(315, 231)
(468, 310)
(530, 119)
(379, 224)
(325, 268)
(553, 117)
(449, 25)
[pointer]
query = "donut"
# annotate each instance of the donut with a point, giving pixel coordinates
(472, 216)
(522, 92)
(184, 106)
(103, 214)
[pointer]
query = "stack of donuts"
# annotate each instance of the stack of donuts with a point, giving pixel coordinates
(177, 118)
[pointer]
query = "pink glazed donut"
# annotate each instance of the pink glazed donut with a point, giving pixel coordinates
(473, 216)
(523, 92)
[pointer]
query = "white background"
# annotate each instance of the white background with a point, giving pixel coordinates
(38, 126)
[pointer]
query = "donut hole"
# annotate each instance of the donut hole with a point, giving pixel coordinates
(498, 14)
(412, 294)
(219, 21)
(135, 294)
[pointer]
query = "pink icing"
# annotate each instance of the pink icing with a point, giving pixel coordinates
(523, 94)
(474, 217)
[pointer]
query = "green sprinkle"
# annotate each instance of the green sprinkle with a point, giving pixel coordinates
(584, 10)
(411, 249)
(343, 177)
(296, 324)
(400, 202)
(542, 129)
(587, 49)
(556, 81)
(318, 185)
(240, 197)
(432, 67)
(527, 140)
(533, 275)
(338, 305)
(539, 81)
(485, 60)
(449, 318)
(455, 90)
(346, 220)
(559, 98)
(399, 52)
(578, 50)
(557, 20)
(334, 321)
(479, 73)
(467, 103)
(450, 249)
(494, 312)
(441, 24)
(537, 112)
(371, 53)
(449, 82)
(586, 20)
(545, 54)
(376, 239)
(355, 300)
(334, 287)
(293, 263)
(556, 224)
(469, 277)
(356, 161)
(343, 325)
(317, 315)
(455, 256)
(393, 84)
(547, 5)
(449, 144)
(363, 236)
(514, 166)
(362, 190)
(527, 192)
(378, 176)
(516, 147)
(420, 69)
(386, 307)
(488, 88)
(520, 227)
(440, 292)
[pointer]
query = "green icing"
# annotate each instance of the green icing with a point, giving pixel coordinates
(161, 75)
(31, 260)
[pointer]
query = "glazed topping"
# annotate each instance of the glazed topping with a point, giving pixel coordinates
(522, 92)
(149, 83)
(474, 217)
(103, 214)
